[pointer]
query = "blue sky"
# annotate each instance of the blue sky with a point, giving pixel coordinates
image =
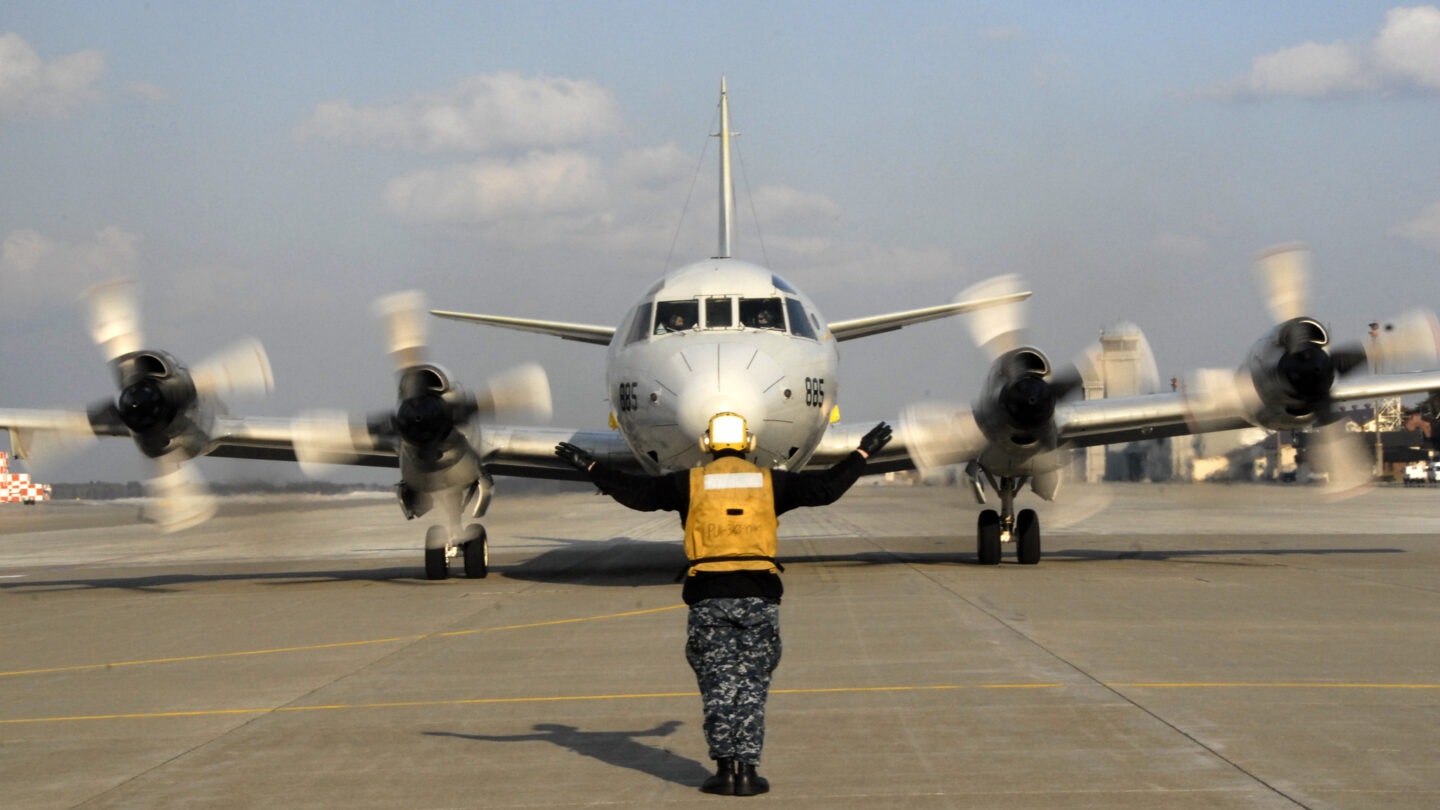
(268, 169)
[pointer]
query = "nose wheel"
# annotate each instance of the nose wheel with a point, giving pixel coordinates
(473, 548)
(995, 529)
(476, 552)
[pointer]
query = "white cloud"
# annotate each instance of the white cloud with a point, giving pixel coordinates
(148, 91)
(541, 185)
(503, 111)
(1423, 230)
(1308, 71)
(786, 207)
(36, 269)
(30, 87)
(1404, 55)
(1408, 47)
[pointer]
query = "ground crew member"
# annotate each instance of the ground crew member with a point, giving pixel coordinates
(729, 509)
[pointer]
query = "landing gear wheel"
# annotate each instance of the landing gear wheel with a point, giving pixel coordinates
(477, 552)
(1027, 537)
(437, 562)
(987, 544)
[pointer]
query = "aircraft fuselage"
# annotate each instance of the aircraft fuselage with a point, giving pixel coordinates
(722, 335)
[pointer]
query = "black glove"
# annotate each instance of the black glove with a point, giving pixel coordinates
(576, 456)
(875, 440)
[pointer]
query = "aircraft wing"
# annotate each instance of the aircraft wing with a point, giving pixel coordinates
(524, 452)
(876, 324)
(842, 439)
(1127, 419)
(1385, 385)
(582, 332)
(1118, 420)
(1155, 416)
(44, 430)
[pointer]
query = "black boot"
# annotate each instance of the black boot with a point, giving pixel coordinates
(749, 783)
(723, 782)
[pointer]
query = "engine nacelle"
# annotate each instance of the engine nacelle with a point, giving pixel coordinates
(157, 403)
(434, 452)
(1018, 406)
(1291, 370)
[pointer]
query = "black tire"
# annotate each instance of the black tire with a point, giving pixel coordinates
(477, 553)
(1027, 537)
(436, 566)
(987, 534)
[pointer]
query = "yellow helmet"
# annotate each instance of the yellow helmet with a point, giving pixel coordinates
(727, 431)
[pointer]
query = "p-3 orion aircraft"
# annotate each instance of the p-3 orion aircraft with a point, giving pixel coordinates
(715, 335)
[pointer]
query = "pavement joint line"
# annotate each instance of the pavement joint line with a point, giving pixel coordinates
(411, 704)
(335, 645)
(822, 690)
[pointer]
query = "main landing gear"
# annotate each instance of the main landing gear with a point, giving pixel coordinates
(473, 548)
(994, 529)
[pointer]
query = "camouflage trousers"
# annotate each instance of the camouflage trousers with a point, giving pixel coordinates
(734, 645)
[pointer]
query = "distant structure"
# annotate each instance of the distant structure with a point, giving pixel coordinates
(1120, 371)
(17, 487)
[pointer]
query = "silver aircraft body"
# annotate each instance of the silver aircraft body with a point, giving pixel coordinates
(721, 334)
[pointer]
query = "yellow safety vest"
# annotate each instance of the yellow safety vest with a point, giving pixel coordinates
(732, 514)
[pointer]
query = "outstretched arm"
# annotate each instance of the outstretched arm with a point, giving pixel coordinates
(823, 487)
(645, 493)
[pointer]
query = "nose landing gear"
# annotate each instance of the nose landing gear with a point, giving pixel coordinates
(995, 529)
(473, 547)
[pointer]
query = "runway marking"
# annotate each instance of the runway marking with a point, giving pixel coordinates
(335, 645)
(1275, 685)
(414, 704)
(829, 690)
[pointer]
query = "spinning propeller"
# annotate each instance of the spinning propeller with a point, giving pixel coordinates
(167, 409)
(430, 406)
(429, 432)
(1014, 417)
(1287, 379)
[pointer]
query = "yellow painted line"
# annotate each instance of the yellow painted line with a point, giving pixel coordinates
(1274, 685)
(334, 645)
(412, 704)
(833, 690)
(936, 688)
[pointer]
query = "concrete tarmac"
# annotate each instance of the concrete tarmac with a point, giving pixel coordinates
(1178, 647)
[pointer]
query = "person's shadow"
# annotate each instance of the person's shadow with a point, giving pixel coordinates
(619, 748)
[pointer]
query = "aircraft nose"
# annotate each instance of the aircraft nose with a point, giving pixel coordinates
(725, 377)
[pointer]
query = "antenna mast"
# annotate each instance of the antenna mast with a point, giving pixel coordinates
(727, 188)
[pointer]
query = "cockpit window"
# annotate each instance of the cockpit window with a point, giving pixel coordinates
(718, 314)
(799, 324)
(676, 316)
(761, 313)
(639, 323)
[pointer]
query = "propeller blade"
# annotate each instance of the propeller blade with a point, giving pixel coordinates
(180, 498)
(1342, 456)
(523, 391)
(1217, 393)
(241, 369)
(1350, 357)
(1284, 274)
(59, 438)
(404, 317)
(114, 318)
(322, 437)
(937, 435)
(997, 329)
(1409, 342)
